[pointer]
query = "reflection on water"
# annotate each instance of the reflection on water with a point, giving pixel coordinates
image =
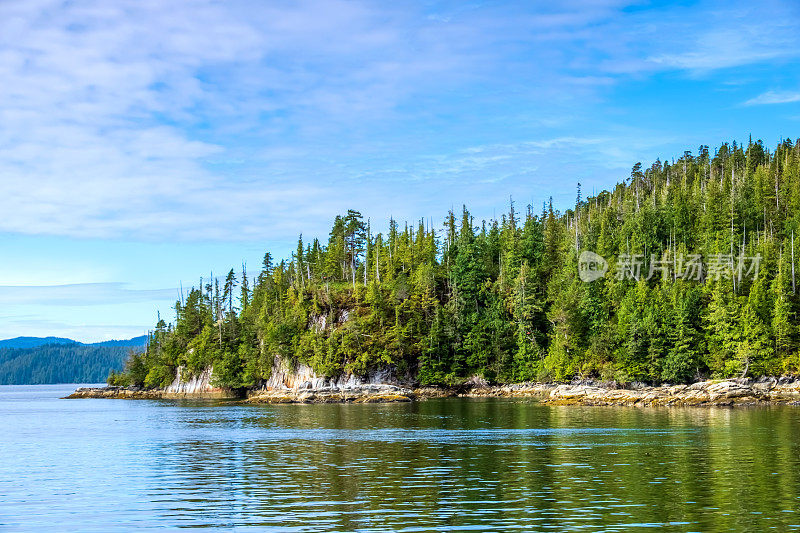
(483, 465)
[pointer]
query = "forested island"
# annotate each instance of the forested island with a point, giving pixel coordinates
(700, 284)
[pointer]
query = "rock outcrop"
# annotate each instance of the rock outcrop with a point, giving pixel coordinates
(728, 392)
(123, 393)
(198, 386)
(357, 395)
(300, 384)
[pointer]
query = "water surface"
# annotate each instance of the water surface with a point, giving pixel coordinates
(439, 465)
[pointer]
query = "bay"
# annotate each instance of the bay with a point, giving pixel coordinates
(437, 465)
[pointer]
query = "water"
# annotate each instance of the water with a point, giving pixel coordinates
(455, 464)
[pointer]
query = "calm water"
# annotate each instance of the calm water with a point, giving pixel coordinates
(482, 465)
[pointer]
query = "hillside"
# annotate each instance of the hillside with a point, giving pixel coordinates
(683, 270)
(39, 360)
(32, 342)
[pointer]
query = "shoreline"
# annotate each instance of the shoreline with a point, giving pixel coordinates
(729, 392)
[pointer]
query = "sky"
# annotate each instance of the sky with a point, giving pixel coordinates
(144, 144)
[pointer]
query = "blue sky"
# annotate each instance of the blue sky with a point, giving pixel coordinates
(144, 144)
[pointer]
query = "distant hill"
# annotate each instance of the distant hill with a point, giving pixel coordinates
(135, 342)
(40, 360)
(33, 342)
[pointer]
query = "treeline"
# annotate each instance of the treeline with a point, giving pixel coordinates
(701, 284)
(60, 363)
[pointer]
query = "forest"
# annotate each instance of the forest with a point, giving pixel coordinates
(701, 284)
(61, 363)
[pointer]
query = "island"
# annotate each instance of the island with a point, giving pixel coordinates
(675, 287)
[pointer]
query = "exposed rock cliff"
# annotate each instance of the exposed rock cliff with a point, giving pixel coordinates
(300, 383)
(198, 386)
(302, 377)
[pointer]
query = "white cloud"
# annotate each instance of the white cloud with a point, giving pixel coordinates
(743, 42)
(200, 120)
(109, 111)
(82, 311)
(699, 37)
(80, 294)
(32, 326)
(774, 97)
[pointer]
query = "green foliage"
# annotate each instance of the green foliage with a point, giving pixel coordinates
(61, 363)
(502, 299)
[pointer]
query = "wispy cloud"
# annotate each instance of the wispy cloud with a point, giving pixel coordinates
(23, 326)
(774, 97)
(128, 120)
(81, 294)
(82, 311)
(230, 125)
(743, 42)
(200, 120)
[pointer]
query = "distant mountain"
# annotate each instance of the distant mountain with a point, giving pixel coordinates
(135, 342)
(38, 360)
(33, 342)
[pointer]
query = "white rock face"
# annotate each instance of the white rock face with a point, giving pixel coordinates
(303, 377)
(199, 384)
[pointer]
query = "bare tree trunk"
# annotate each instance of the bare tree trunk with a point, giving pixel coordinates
(733, 181)
(794, 287)
(300, 274)
(500, 267)
(732, 277)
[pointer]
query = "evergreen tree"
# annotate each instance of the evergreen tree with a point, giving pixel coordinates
(503, 299)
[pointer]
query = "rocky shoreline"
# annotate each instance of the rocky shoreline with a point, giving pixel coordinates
(730, 392)
(136, 393)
